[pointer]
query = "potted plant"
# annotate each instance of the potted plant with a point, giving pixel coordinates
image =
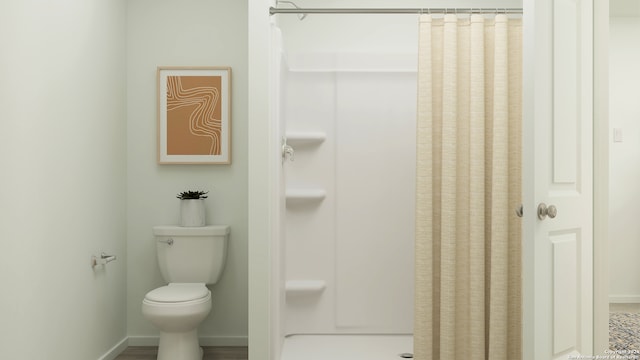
(192, 210)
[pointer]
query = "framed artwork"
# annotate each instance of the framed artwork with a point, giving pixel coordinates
(194, 115)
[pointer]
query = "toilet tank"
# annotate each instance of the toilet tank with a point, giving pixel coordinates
(191, 254)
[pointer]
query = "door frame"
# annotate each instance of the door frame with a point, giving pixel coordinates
(600, 176)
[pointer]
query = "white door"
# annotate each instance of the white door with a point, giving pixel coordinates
(558, 252)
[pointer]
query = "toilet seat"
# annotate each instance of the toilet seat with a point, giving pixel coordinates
(178, 293)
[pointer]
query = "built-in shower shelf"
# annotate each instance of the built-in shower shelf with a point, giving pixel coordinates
(305, 195)
(305, 138)
(305, 287)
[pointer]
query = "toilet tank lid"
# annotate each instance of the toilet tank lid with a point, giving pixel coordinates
(174, 230)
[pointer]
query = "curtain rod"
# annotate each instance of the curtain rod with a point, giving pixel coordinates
(273, 11)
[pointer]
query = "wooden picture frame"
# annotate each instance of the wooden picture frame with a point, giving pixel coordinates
(194, 115)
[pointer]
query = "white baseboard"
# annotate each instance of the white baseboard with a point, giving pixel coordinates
(118, 348)
(144, 340)
(624, 299)
(204, 341)
(115, 350)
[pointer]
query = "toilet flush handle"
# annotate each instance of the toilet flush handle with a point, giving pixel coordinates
(168, 241)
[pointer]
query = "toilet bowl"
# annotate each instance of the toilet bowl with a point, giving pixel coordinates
(177, 310)
(189, 258)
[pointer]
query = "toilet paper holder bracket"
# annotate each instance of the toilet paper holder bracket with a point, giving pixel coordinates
(102, 260)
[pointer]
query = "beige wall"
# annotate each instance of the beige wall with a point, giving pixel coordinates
(62, 178)
(185, 33)
(624, 157)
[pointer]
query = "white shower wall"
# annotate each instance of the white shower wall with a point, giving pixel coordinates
(349, 220)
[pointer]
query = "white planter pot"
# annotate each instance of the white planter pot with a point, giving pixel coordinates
(192, 213)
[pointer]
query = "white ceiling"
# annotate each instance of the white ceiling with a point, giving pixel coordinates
(624, 7)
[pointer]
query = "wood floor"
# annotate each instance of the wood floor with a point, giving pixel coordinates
(210, 353)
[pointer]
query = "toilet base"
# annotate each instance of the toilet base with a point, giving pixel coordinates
(179, 346)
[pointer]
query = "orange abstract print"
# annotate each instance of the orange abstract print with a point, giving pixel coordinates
(194, 115)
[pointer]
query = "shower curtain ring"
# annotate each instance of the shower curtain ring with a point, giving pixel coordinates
(300, 16)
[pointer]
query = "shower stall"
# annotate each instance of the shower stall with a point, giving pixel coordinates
(345, 99)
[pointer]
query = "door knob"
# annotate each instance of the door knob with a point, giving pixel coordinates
(544, 211)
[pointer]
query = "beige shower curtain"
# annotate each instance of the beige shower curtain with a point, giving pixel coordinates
(468, 277)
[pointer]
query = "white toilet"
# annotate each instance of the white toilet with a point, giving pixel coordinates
(189, 258)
